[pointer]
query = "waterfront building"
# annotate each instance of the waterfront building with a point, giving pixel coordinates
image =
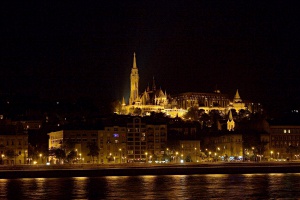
(78, 139)
(284, 141)
(145, 141)
(13, 145)
(133, 141)
(189, 151)
(228, 144)
(112, 144)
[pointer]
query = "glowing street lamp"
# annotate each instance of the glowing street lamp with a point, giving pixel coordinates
(120, 150)
(41, 158)
(146, 156)
(271, 154)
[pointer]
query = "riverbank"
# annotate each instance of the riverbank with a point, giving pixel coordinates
(55, 171)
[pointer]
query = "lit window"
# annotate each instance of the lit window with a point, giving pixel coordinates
(289, 131)
(284, 131)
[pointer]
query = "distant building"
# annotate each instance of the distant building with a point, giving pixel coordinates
(284, 141)
(79, 138)
(154, 99)
(112, 144)
(136, 141)
(145, 141)
(13, 145)
(189, 150)
(227, 145)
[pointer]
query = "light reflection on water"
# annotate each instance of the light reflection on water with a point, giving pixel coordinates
(238, 186)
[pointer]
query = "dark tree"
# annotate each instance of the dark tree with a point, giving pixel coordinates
(192, 114)
(71, 156)
(93, 150)
(59, 154)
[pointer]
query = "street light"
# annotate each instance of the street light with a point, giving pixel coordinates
(146, 156)
(120, 150)
(271, 154)
(41, 157)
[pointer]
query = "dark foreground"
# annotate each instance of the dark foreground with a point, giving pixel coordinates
(36, 171)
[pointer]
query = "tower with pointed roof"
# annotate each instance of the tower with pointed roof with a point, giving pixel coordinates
(134, 82)
(237, 97)
(237, 102)
(230, 122)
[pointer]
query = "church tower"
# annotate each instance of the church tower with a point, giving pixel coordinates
(237, 97)
(134, 82)
(230, 122)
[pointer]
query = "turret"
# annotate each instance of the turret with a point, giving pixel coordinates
(230, 122)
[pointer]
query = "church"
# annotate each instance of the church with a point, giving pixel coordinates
(156, 100)
(151, 100)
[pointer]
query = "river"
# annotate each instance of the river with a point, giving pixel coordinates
(231, 186)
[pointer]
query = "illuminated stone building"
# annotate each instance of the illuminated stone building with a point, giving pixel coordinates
(112, 144)
(156, 100)
(80, 139)
(133, 141)
(284, 141)
(13, 144)
(209, 101)
(145, 141)
(189, 150)
(205, 101)
(151, 100)
(230, 144)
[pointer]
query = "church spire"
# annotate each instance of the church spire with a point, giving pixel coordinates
(134, 61)
(237, 97)
(134, 82)
(230, 122)
(123, 102)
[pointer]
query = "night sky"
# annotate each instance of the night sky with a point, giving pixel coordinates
(70, 50)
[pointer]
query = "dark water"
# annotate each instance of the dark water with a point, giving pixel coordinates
(242, 186)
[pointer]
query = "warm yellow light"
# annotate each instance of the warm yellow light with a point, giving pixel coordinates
(41, 155)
